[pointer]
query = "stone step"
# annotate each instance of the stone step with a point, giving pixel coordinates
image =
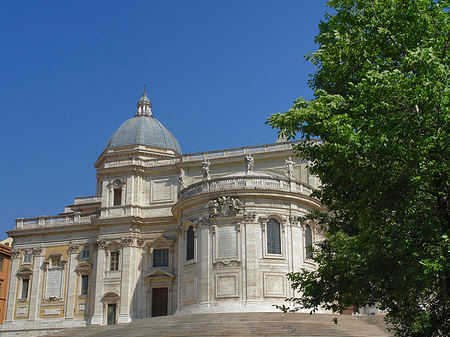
(239, 324)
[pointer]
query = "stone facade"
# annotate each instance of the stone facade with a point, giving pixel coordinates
(5, 260)
(166, 234)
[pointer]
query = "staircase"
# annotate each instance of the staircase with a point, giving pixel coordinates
(239, 324)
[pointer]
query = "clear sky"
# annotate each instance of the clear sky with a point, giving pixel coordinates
(71, 72)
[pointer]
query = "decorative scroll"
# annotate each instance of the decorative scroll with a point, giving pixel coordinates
(36, 251)
(249, 217)
(73, 248)
(127, 241)
(101, 243)
(15, 252)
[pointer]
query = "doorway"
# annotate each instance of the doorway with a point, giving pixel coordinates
(159, 301)
(111, 314)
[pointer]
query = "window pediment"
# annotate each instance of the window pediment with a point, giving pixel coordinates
(159, 274)
(24, 272)
(83, 268)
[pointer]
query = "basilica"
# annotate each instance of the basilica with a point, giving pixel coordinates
(166, 234)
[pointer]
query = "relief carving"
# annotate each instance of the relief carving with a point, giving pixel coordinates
(140, 242)
(227, 263)
(224, 205)
(15, 252)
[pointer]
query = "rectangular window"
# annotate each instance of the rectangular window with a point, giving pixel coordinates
(273, 237)
(84, 284)
(56, 261)
(114, 262)
(1, 264)
(25, 284)
(26, 258)
(85, 254)
(190, 242)
(117, 197)
(161, 257)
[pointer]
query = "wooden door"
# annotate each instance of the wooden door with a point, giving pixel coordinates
(111, 314)
(159, 301)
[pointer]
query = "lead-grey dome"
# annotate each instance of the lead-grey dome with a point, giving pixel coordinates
(144, 129)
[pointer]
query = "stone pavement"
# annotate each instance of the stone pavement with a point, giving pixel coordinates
(239, 324)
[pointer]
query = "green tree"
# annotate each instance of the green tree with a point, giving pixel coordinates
(381, 109)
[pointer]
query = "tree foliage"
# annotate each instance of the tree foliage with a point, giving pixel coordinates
(381, 108)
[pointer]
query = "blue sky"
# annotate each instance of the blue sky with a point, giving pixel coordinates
(72, 72)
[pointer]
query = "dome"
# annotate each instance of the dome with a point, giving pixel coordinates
(144, 129)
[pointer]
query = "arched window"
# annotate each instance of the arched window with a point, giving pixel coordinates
(273, 237)
(190, 243)
(308, 241)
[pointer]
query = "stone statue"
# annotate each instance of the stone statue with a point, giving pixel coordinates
(205, 169)
(236, 205)
(213, 205)
(289, 168)
(249, 162)
(181, 180)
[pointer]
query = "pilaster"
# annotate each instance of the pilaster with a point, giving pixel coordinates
(71, 280)
(204, 250)
(127, 284)
(36, 285)
(11, 301)
(99, 276)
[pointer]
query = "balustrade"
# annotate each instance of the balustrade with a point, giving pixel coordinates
(57, 220)
(245, 183)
